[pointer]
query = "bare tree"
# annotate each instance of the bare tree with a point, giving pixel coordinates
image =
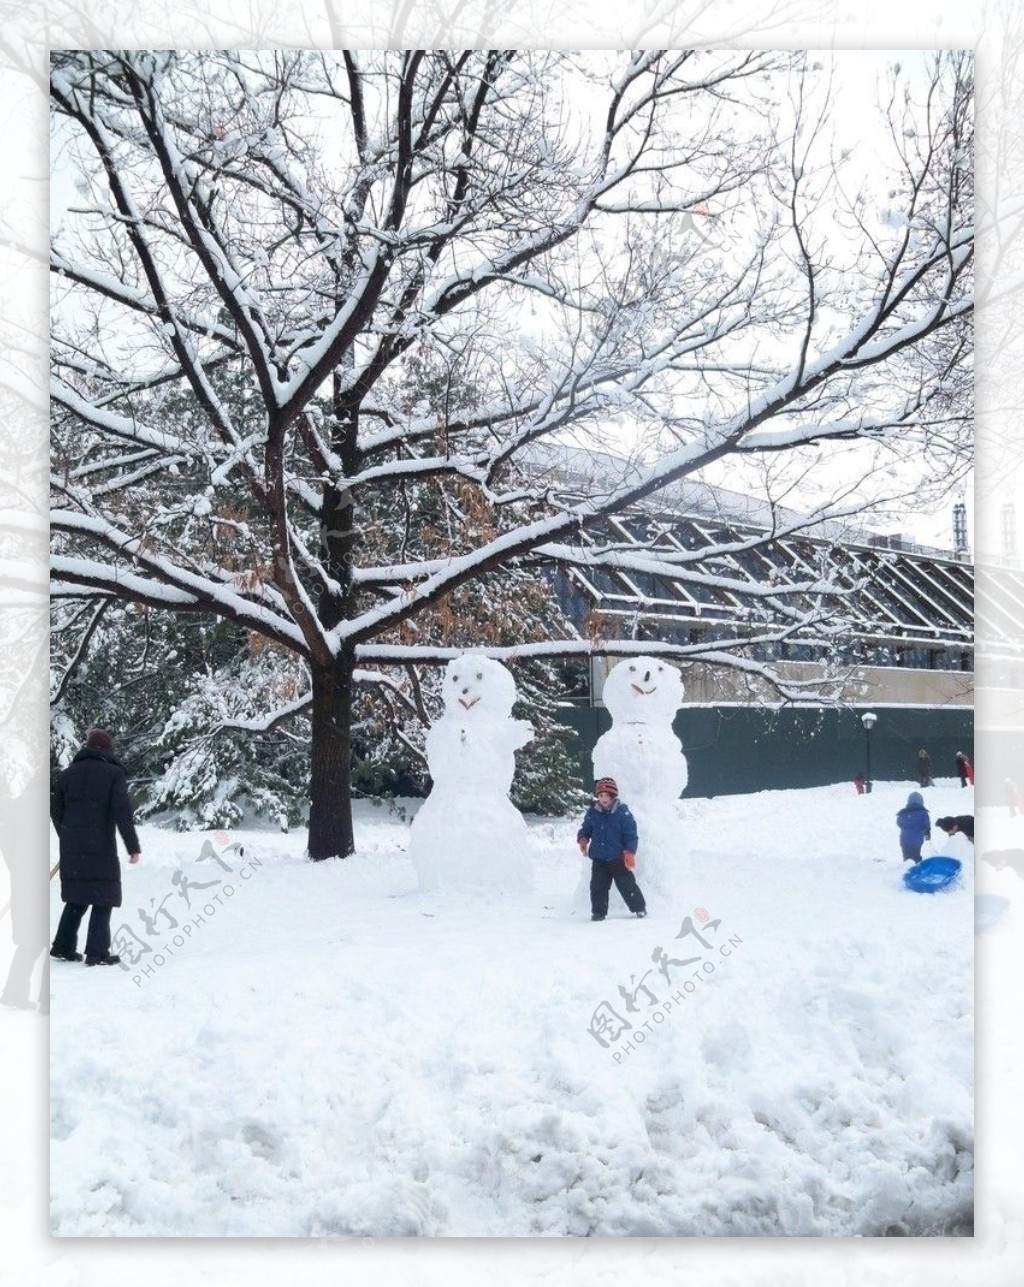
(264, 243)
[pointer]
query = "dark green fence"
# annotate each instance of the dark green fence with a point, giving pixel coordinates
(732, 749)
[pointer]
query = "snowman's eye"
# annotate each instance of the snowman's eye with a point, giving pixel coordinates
(479, 674)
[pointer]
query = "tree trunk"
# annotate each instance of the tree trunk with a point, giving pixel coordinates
(330, 788)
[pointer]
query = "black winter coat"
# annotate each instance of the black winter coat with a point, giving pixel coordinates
(87, 801)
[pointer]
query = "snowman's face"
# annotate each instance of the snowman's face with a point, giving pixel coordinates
(478, 686)
(643, 691)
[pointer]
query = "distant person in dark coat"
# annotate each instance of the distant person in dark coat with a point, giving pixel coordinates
(88, 804)
(608, 837)
(924, 768)
(915, 827)
(963, 825)
(964, 769)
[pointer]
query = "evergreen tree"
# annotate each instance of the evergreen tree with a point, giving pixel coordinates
(187, 699)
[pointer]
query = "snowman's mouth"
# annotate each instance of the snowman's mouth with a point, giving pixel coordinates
(644, 692)
(468, 705)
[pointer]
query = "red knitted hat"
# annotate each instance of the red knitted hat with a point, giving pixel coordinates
(606, 784)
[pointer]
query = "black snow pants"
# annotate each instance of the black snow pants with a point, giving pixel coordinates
(601, 876)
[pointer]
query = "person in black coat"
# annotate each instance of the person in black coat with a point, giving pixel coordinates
(89, 800)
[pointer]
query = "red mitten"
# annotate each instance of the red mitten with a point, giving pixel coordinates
(583, 847)
(629, 859)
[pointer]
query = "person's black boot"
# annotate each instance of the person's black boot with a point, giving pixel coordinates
(103, 960)
(65, 956)
(595, 917)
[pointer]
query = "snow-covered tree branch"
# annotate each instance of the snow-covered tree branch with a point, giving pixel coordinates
(322, 320)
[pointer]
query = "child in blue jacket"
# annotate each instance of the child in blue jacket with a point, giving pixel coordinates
(915, 827)
(608, 838)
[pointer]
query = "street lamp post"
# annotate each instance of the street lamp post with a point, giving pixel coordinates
(868, 719)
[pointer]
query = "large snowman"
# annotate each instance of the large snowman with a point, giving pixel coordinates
(467, 833)
(644, 756)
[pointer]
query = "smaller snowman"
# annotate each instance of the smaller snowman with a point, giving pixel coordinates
(644, 756)
(468, 834)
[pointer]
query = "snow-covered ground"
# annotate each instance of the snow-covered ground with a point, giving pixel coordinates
(327, 1052)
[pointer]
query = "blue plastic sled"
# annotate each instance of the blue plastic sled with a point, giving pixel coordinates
(933, 874)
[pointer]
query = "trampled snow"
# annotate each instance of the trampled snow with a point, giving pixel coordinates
(330, 1052)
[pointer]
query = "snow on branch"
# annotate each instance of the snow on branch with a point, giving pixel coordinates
(125, 428)
(267, 723)
(793, 690)
(80, 650)
(167, 584)
(134, 298)
(680, 568)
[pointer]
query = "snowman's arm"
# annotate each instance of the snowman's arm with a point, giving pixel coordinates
(433, 739)
(586, 827)
(442, 745)
(522, 732)
(630, 840)
(613, 750)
